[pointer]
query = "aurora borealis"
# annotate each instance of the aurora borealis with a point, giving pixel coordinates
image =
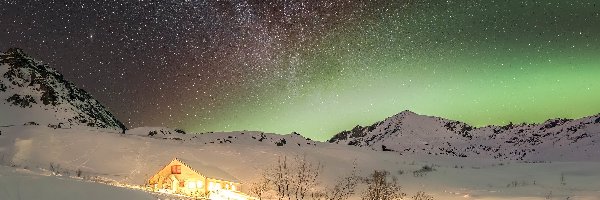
(318, 67)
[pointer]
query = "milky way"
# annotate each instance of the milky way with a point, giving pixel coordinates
(318, 67)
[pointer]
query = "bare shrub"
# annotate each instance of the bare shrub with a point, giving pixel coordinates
(549, 195)
(382, 187)
(423, 171)
(55, 168)
(290, 179)
(345, 186)
(306, 177)
(422, 196)
(260, 187)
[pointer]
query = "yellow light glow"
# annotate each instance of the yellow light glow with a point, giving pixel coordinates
(191, 185)
(228, 195)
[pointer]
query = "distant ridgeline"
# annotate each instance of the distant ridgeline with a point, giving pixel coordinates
(33, 93)
(408, 133)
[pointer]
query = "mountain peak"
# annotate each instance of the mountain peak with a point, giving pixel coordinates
(408, 132)
(407, 112)
(16, 52)
(34, 92)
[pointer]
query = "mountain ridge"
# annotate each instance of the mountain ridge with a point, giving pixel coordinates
(39, 94)
(408, 132)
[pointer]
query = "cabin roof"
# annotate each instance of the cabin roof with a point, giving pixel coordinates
(208, 171)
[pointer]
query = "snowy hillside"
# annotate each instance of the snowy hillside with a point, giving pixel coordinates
(34, 94)
(133, 157)
(236, 137)
(19, 184)
(410, 133)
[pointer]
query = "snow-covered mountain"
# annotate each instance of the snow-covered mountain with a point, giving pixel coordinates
(235, 137)
(130, 158)
(407, 133)
(32, 93)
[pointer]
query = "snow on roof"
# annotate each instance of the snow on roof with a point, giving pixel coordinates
(208, 171)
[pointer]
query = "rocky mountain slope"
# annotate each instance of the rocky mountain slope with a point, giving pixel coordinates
(407, 132)
(32, 93)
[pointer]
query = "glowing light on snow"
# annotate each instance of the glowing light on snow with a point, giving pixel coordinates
(228, 195)
(191, 185)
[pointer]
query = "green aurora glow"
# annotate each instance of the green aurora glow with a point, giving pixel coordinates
(480, 62)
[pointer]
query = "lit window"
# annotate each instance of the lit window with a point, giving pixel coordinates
(176, 169)
(218, 186)
(199, 184)
(232, 187)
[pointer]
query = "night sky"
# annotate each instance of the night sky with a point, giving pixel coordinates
(317, 67)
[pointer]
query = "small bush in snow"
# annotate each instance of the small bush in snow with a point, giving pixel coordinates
(55, 168)
(422, 196)
(295, 179)
(549, 195)
(345, 187)
(423, 171)
(382, 187)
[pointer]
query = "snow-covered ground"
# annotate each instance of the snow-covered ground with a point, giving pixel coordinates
(132, 157)
(23, 184)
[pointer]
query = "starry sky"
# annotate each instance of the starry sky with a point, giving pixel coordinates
(318, 67)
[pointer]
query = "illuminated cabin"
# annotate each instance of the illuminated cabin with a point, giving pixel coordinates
(192, 179)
